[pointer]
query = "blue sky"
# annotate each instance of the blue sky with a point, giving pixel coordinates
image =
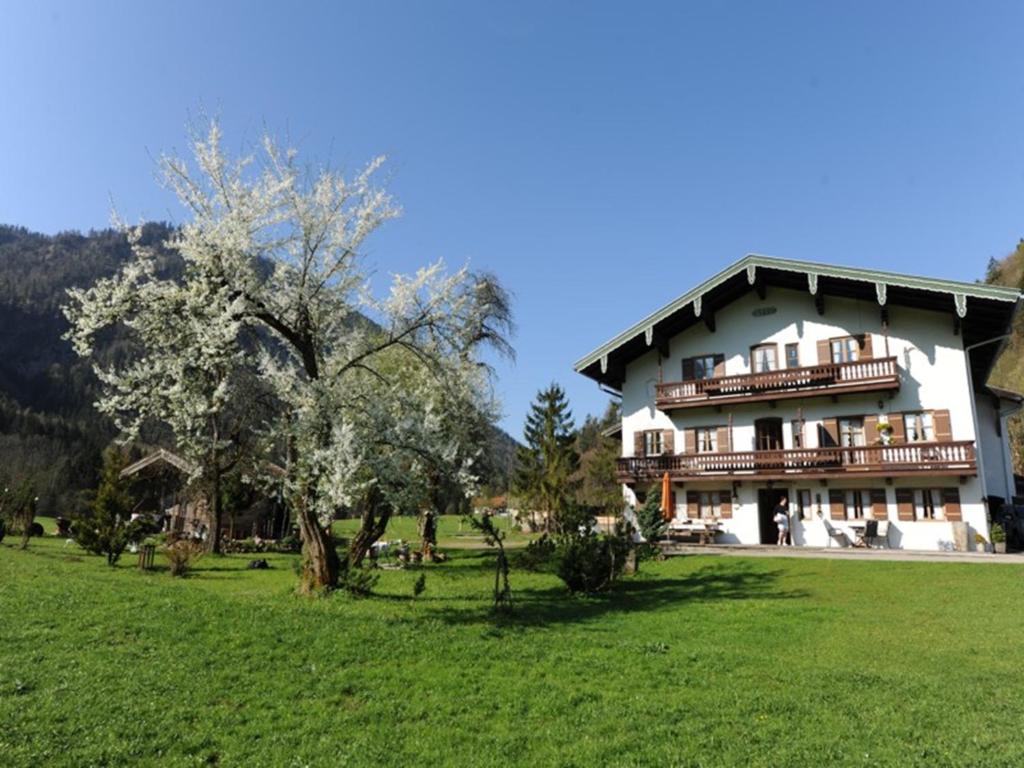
(600, 157)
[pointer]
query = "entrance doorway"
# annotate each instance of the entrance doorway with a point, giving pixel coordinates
(767, 500)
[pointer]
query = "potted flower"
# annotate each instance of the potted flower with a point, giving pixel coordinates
(885, 432)
(980, 544)
(998, 538)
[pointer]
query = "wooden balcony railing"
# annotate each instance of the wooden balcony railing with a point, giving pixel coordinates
(826, 379)
(952, 458)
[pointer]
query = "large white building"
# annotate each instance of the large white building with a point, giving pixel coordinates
(860, 395)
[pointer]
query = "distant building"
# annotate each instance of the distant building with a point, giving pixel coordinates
(860, 395)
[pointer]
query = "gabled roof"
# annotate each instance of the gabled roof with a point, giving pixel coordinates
(980, 311)
(160, 456)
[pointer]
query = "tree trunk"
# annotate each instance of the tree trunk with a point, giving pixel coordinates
(372, 524)
(320, 563)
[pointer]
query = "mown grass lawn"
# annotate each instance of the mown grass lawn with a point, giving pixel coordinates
(696, 661)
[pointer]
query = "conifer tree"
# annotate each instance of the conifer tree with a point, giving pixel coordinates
(548, 460)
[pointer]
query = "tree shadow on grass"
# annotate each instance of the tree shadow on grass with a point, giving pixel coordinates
(543, 607)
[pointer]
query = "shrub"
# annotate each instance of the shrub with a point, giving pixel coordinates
(998, 533)
(651, 523)
(107, 529)
(591, 563)
(537, 554)
(182, 555)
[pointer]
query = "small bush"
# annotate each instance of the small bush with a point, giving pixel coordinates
(998, 533)
(536, 555)
(182, 555)
(590, 563)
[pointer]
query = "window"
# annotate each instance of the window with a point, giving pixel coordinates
(792, 355)
(701, 367)
(704, 367)
(763, 358)
(851, 432)
(919, 427)
(708, 504)
(798, 433)
(707, 439)
(845, 350)
(804, 504)
(929, 504)
(857, 504)
(653, 445)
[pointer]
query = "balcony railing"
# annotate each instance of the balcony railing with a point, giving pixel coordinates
(826, 379)
(954, 458)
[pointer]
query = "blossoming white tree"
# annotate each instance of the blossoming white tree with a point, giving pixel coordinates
(377, 396)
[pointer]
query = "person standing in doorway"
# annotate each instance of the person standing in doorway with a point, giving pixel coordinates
(781, 518)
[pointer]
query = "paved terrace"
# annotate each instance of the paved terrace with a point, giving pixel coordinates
(843, 553)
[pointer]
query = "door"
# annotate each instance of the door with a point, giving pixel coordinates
(767, 501)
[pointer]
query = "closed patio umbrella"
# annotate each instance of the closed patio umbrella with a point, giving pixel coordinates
(666, 497)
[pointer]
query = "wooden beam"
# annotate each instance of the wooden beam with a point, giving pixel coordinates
(956, 324)
(760, 287)
(819, 301)
(709, 320)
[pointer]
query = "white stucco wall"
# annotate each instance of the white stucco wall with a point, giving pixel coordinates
(933, 372)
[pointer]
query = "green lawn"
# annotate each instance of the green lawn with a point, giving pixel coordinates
(698, 661)
(451, 531)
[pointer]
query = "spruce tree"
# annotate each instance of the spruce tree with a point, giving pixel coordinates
(548, 460)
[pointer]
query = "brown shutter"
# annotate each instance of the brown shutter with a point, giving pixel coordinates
(951, 504)
(899, 433)
(638, 443)
(943, 432)
(725, 503)
(692, 504)
(668, 442)
(719, 365)
(824, 351)
(905, 503)
(879, 507)
(864, 342)
(828, 433)
(723, 439)
(689, 441)
(871, 434)
(688, 369)
(836, 504)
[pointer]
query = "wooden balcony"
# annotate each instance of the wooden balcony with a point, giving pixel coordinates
(947, 458)
(873, 375)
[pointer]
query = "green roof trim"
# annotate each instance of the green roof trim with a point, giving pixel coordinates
(955, 288)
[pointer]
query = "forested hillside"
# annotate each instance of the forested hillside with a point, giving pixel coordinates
(1009, 369)
(49, 430)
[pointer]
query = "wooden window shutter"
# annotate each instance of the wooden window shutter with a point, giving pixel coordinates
(836, 504)
(723, 440)
(879, 506)
(668, 441)
(688, 369)
(689, 441)
(725, 503)
(899, 432)
(719, 365)
(824, 352)
(871, 434)
(943, 432)
(638, 443)
(864, 342)
(951, 504)
(828, 433)
(692, 504)
(905, 503)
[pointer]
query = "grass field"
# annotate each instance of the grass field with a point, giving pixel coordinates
(696, 661)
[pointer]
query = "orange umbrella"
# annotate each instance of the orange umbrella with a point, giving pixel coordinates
(666, 497)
